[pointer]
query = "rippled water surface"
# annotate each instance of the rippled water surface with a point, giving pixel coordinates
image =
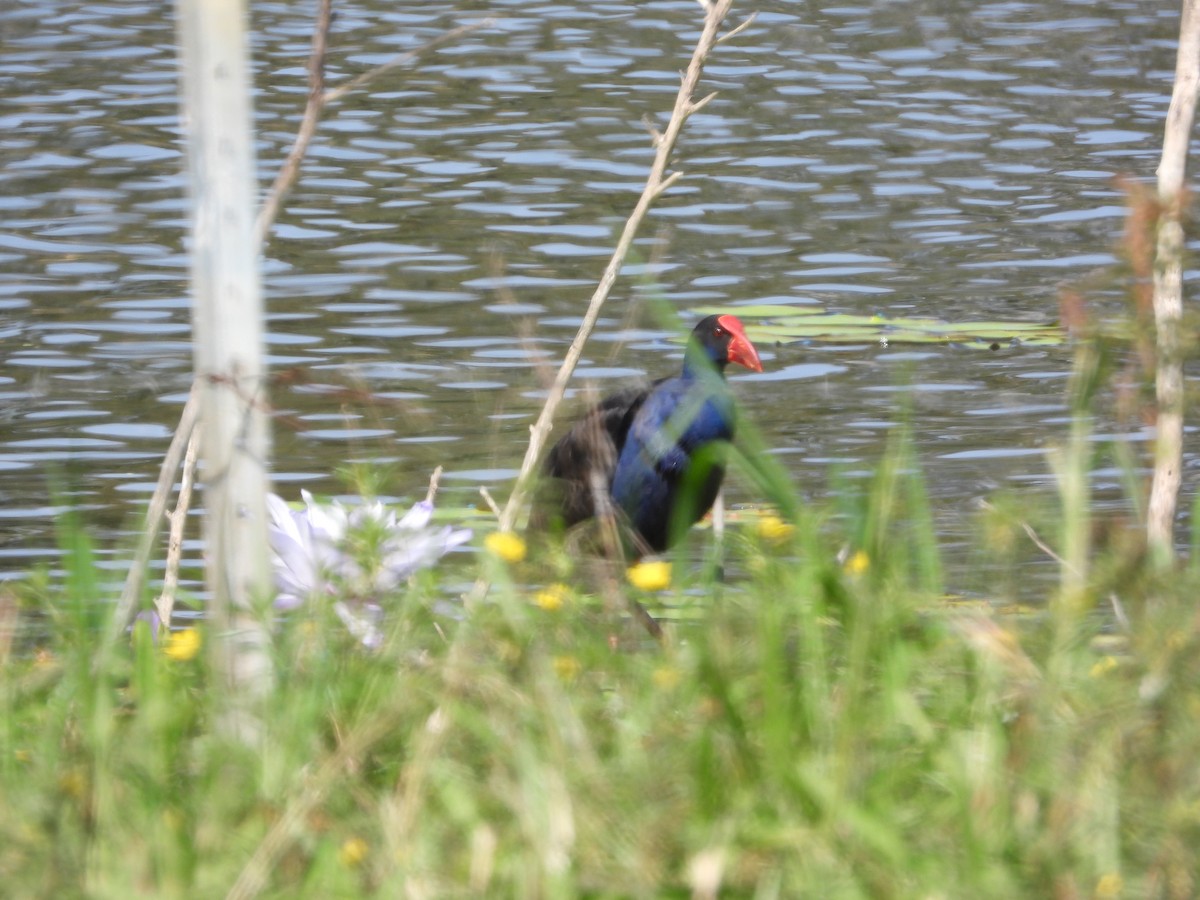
(948, 159)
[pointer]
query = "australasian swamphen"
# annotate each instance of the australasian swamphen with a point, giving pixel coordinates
(657, 450)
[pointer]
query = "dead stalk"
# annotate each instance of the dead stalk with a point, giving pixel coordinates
(154, 514)
(178, 519)
(319, 98)
(290, 170)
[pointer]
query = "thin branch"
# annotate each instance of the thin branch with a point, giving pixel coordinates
(154, 514)
(667, 184)
(1038, 542)
(739, 29)
(319, 98)
(652, 130)
(1119, 612)
(1046, 548)
(290, 170)
(490, 501)
(178, 518)
(718, 519)
(404, 58)
(701, 103)
(434, 480)
(715, 14)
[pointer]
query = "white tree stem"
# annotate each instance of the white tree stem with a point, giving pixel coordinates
(1168, 290)
(228, 348)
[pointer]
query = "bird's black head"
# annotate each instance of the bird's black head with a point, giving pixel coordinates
(721, 340)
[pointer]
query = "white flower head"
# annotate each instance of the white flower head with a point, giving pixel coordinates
(324, 551)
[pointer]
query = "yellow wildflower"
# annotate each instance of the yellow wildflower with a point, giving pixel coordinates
(666, 677)
(774, 530)
(858, 563)
(551, 598)
(1103, 666)
(566, 667)
(73, 782)
(1109, 885)
(506, 545)
(650, 576)
(353, 852)
(183, 645)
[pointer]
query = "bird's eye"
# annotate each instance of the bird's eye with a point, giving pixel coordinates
(718, 331)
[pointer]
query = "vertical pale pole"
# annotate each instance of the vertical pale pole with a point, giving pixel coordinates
(227, 324)
(1168, 290)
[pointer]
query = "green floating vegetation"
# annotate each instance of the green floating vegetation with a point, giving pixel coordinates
(784, 324)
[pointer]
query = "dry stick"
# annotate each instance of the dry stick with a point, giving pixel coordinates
(1038, 542)
(1168, 291)
(434, 480)
(154, 514)
(656, 183)
(178, 518)
(490, 501)
(319, 98)
(290, 170)
(401, 59)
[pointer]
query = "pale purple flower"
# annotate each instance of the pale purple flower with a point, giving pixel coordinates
(304, 548)
(362, 621)
(325, 551)
(152, 620)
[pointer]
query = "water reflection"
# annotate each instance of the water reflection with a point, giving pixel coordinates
(935, 159)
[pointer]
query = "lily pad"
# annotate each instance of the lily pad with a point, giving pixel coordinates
(776, 323)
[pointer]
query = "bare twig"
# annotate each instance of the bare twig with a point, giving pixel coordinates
(319, 98)
(652, 130)
(10, 619)
(178, 518)
(434, 480)
(739, 29)
(715, 13)
(1037, 540)
(290, 170)
(1046, 548)
(403, 58)
(490, 501)
(701, 103)
(1119, 612)
(1168, 290)
(154, 514)
(718, 519)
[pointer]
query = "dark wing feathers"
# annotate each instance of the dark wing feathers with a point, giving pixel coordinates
(587, 454)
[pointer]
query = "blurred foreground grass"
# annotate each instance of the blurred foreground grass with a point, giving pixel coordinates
(812, 728)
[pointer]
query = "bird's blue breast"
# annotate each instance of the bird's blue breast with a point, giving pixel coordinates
(667, 474)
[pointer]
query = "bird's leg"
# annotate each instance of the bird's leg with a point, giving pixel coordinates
(718, 524)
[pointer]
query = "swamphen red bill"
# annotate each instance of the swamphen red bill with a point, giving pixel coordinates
(657, 451)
